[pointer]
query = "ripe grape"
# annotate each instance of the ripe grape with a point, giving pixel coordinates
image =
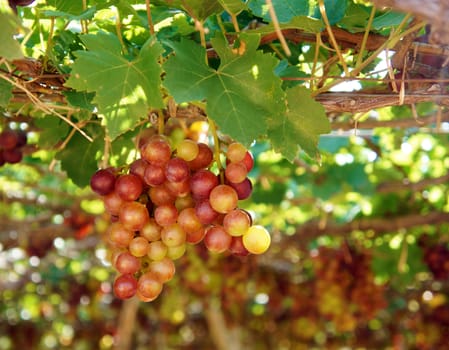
(237, 222)
(180, 188)
(156, 151)
(154, 175)
(161, 195)
(257, 239)
(133, 215)
(138, 167)
(202, 183)
(223, 199)
(103, 182)
(188, 220)
(177, 170)
(12, 156)
(176, 252)
(203, 159)
(217, 240)
(205, 213)
(112, 203)
(173, 235)
(151, 230)
(149, 286)
(163, 270)
(196, 237)
(125, 286)
(243, 189)
(157, 250)
(119, 235)
(237, 247)
(139, 246)
(236, 172)
(8, 139)
(129, 187)
(187, 150)
(127, 263)
(166, 214)
(236, 152)
(248, 161)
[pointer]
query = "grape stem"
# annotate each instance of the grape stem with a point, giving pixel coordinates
(160, 122)
(216, 148)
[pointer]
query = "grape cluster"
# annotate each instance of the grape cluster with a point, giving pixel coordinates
(11, 144)
(170, 197)
(435, 256)
(345, 288)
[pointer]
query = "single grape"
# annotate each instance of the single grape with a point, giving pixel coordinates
(205, 213)
(187, 150)
(129, 187)
(103, 182)
(223, 199)
(119, 235)
(156, 151)
(257, 239)
(237, 222)
(196, 237)
(202, 183)
(180, 188)
(243, 189)
(127, 263)
(176, 252)
(161, 195)
(188, 220)
(173, 235)
(112, 203)
(151, 230)
(162, 270)
(8, 139)
(177, 170)
(154, 175)
(166, 214)
(248, 161)
(236, 172)
(149, 286)
(203, 159)
(133, 215)
(237, 247)
(236, 152)
(157, 250)
(139, 246)
(125, 286)
(184, 202)
(217, 240)
(12, 156)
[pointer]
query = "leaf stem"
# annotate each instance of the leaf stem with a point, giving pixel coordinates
(160, 122)
(366, 35)
(332, 37)
(277, 27)
(235, 23)
(118, 27)
(213, 130)
(150, 19)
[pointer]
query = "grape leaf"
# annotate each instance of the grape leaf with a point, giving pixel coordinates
(199, 9)
(124, 89)
(233, 6)
(9, 26)
(5, 92)
(285, 9)
(335, 10)
(78, 158)
(303, 122)
(308, 24)
(241, 94)
(53, 130)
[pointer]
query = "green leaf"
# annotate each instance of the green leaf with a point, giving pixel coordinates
(285, 9)
(78, 158)
(124, 89)
(241, 94)
(233, 6)
(199, 9)
(335, 10)
(303, 122)
(5, 92)
(387, 19)
(9, 26)
(355, 18)
(308, 24)
(88, 14)
(80, 99)
(53, 130)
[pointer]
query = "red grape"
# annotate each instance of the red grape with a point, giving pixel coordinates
(203, 159)
(127, 263)
(223, 199)
(102, 182)
(173, 235)
(177, 170)
(217, 240)
(133, 215)
(149, 286)
(202, 183)
(129, 187)
(156, 151)
(125, 286)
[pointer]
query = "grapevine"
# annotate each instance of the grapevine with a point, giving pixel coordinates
(177, 193)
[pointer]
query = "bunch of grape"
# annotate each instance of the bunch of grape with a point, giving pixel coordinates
(170, 197)
(11, 144)
(436, 257)
(345, 282)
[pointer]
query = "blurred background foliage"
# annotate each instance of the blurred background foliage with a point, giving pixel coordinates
(359, 256)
